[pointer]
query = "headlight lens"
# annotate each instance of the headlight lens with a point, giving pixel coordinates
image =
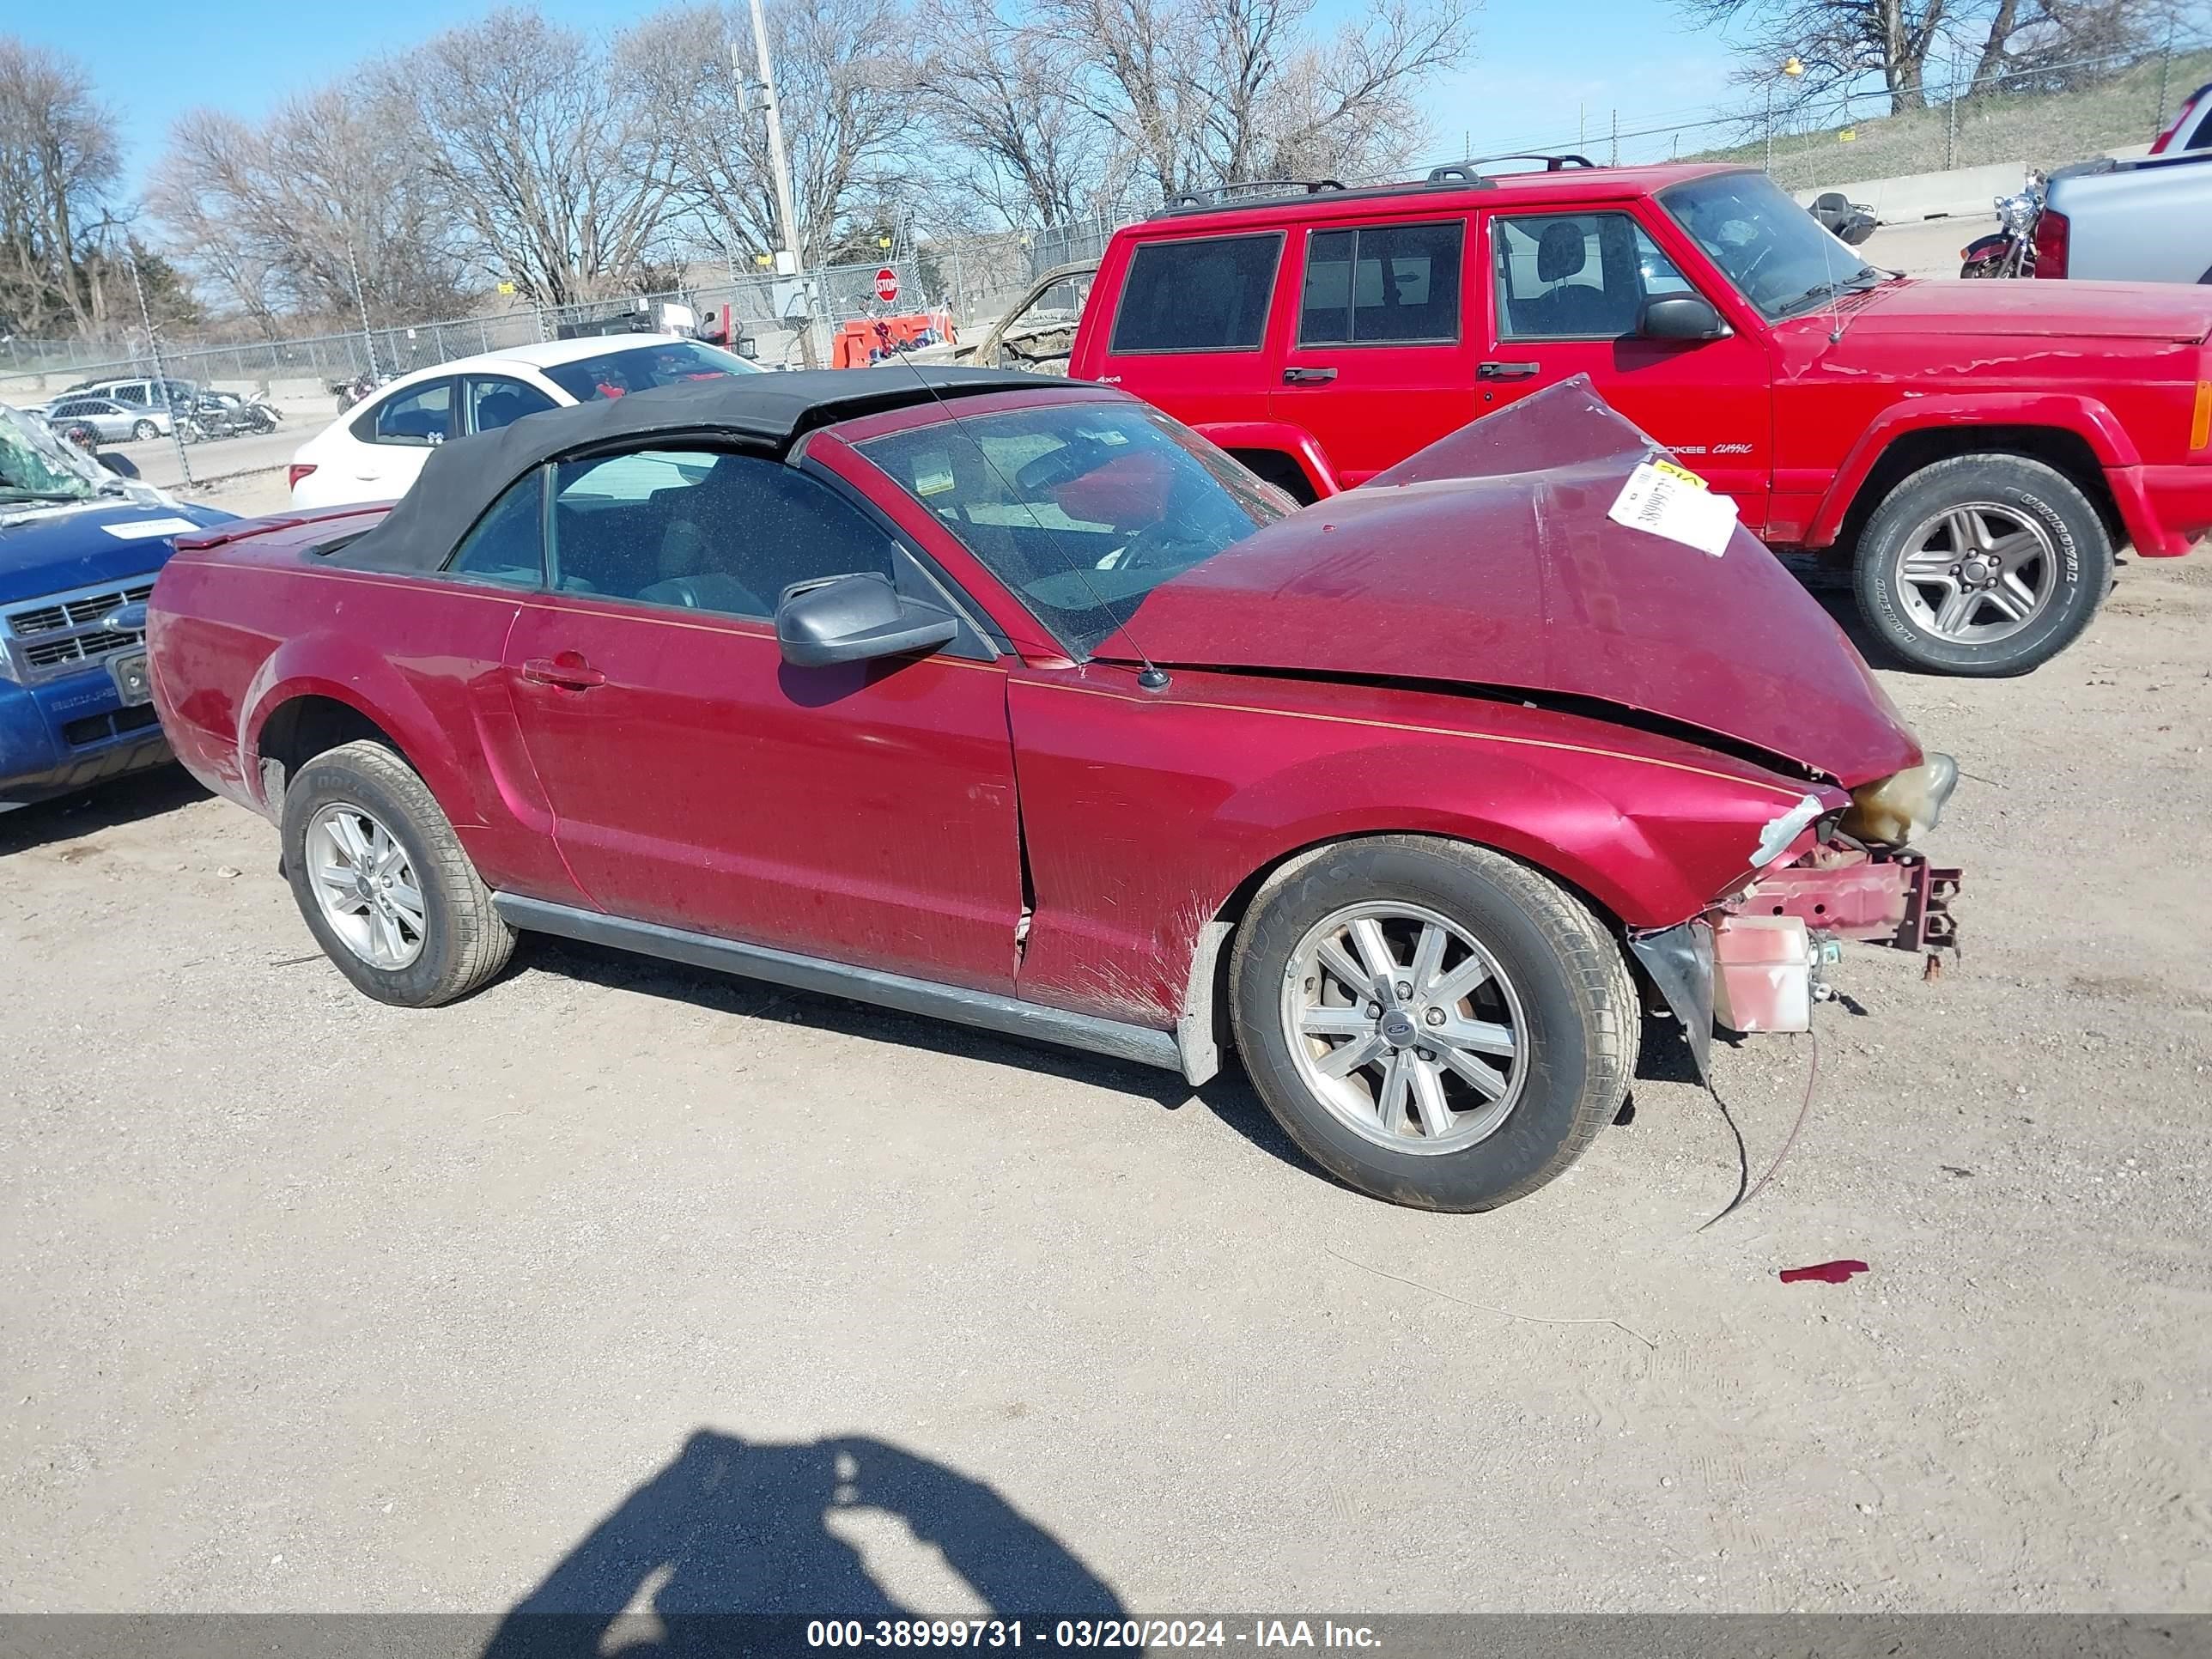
(1898, 810)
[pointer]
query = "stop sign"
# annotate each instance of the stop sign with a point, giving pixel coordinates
(887, 285)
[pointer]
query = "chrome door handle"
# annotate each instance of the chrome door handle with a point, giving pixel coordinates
(572, 676)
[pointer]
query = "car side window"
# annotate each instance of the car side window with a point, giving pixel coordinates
(698, 530)
(506, 547)
(1207, 294)
(419, 415)
(1575, 276)
(130, 394)
(495, 401)
(1382, 285)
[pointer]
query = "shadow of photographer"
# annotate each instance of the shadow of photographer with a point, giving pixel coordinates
(733, 1527)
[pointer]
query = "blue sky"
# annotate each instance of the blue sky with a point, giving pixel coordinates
(1533, 80)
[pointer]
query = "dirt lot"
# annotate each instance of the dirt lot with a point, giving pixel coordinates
(311, 1303)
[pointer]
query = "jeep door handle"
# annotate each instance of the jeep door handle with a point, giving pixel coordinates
(568, 671)
(1505, 371)
(1307, 376)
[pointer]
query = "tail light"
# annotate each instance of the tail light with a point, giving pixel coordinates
(2054, 239)
(296, 471)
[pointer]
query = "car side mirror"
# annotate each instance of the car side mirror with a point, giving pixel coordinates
(856, 618)
(1680, 317)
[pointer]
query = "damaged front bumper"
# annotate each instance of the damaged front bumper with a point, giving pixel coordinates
(1753, 962)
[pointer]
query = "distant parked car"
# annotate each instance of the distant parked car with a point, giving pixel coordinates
(141, 394)
(374, 452)
(108, 420)
(79, 548)
(2191, 126)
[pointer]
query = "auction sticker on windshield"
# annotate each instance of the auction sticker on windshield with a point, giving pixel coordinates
(1668, 500)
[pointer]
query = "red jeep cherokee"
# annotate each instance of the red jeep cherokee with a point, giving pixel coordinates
(1976, 450)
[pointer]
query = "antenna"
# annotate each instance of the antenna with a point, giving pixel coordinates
(1152, 676)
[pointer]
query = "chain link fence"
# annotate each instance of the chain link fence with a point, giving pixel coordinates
(2032, 115)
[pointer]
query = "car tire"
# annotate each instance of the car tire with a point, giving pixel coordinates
(2023, 504)
(145, 431)
(1551, 973)
(450, 942)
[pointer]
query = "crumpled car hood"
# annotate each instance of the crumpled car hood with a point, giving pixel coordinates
(1487, 561)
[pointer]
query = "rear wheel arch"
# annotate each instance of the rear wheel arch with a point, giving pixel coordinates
(306, 725)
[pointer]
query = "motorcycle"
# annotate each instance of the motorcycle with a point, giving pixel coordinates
(1850, 221)
(2009, 250)
(349, 392)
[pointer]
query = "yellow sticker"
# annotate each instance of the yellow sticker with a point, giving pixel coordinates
(1681, 472)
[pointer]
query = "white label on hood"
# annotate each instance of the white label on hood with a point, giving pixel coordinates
(1660, 502)
(139, 529)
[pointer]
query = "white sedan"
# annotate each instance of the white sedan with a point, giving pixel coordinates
(373, 452)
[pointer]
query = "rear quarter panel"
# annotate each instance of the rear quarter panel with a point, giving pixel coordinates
(1144, 812)
(235, 633)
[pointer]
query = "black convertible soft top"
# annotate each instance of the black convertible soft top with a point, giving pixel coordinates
(767, 410)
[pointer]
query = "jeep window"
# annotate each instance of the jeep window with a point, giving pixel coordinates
(1774, 252)
(1382, 285)
(419, 415)
(1081, 509)
(1575, 276)
(1209, 294)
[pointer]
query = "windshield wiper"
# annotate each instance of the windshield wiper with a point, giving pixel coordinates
(1819, 291)
(9, 492)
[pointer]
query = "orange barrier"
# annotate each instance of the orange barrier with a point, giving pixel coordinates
(870, 339)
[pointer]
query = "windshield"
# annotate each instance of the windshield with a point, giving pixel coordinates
(35, 465)
(1082, 509)
(639, 369)
(1776, 253)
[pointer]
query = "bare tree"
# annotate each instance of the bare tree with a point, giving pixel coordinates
(1843, 42)
(841, 77)
(560, 169)
(59, 163)
(999, 93)
(280, 215)
(1220, 91)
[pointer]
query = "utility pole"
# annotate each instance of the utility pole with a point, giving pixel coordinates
(360, 302)
(791, 259)
(177, 418)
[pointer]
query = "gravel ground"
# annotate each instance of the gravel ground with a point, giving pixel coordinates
(311, 1303)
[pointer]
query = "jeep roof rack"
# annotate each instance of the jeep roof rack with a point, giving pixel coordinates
(1267, 190)
(1460, 172)
(1452, 175)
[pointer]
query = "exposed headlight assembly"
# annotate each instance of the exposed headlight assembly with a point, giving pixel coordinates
(1898, 810)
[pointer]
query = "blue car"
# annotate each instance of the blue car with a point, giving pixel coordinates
(79, 549)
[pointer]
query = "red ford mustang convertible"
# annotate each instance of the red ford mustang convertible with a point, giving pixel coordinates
(1012, 702)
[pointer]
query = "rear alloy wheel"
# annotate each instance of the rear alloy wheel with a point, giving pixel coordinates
(1984, 565)
(145, 431)
(383, 882)
(1433, 1023)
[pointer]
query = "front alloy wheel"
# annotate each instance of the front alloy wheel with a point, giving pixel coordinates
(1404, 1027)
(1977, 573)
(1433, 1023)
(1985, 564)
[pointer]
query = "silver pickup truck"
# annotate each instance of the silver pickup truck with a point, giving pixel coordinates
(2146, 221)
